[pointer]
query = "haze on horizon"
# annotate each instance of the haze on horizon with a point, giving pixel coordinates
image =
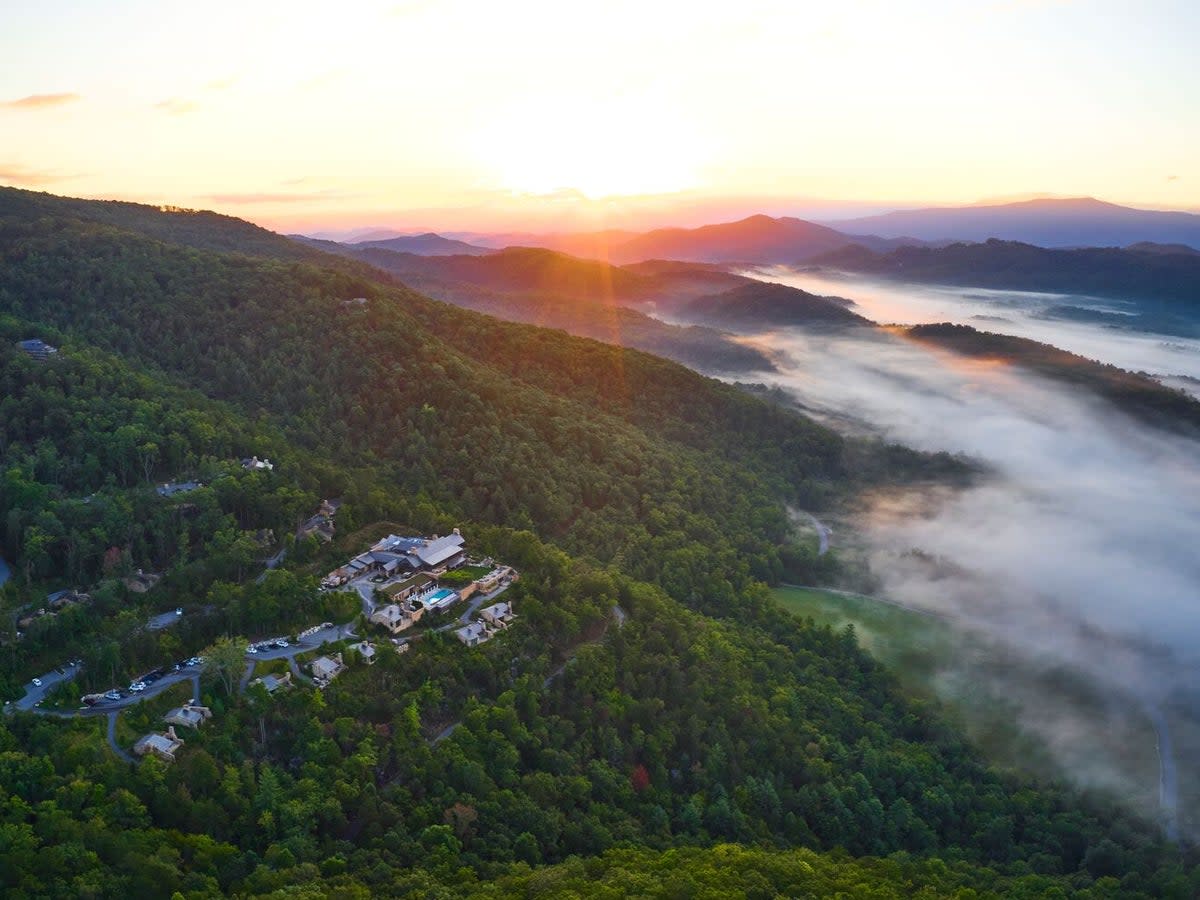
(451, 115)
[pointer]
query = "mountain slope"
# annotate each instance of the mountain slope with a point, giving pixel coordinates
(759, 305)
(649, 694)
(1079, 222)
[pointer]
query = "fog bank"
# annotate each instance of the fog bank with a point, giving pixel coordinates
(1078, 553)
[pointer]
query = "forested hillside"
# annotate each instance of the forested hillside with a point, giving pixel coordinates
(650, 695)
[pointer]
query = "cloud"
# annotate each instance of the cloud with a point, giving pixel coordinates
(176, 106)
(14, 174)
(250, 199)
(40, 101)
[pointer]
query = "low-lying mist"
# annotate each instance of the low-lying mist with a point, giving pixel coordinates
(1078, 554)
(1174, 360)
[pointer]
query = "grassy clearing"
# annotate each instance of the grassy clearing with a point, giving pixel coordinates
(914, 646)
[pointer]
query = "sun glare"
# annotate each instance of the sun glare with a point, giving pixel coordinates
(593, 150)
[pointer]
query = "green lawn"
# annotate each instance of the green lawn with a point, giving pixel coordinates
(910, 643)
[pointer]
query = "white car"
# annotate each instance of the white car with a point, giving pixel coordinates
(251, 649)
(37, 682)
(179, 610)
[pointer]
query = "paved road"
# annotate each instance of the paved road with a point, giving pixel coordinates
(273, 563)
(314, 640)
(111, 732)
(163, 620)
(444, 733)
(34, 693)
(245, 679)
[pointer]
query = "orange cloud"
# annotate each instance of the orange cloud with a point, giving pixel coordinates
(40, 101)
(176, 106)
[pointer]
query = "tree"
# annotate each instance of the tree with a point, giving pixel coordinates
(227, 660)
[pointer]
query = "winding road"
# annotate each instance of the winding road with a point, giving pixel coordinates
(1168, 779)
(823, 533)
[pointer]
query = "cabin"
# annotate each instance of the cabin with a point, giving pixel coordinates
(163, 745)
(275, 683)
(474, 634)
(498, 615)
(366, 651)
(325, 669)
(396, 618)
(188, 715)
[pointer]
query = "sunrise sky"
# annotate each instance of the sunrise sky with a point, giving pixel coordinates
(451, 114)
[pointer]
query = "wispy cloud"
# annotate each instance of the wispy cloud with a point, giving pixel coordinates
(176, 106)
(250, 199)
(40, 101)
(14, 174)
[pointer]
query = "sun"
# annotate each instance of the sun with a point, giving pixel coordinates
(599, 150)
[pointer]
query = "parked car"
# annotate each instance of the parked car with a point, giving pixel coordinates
(179, 610)
(37, 682)
(251, 649)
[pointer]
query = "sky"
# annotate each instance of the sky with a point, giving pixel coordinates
(554, 114)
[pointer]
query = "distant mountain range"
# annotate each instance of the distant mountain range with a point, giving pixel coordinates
(1079, 222)
(428, 244)
(1162, 289)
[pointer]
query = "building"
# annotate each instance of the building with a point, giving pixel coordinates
(188, 715)
(275, 683)
(439, 554)
(325, 669)
(396, 618)
(498, 615)
(409, 587)
(474, 634)
(170, 489)
(36, 348)
(366, 651)
(437, 599)
(494, 579)
(161, 745)
(255, 464)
